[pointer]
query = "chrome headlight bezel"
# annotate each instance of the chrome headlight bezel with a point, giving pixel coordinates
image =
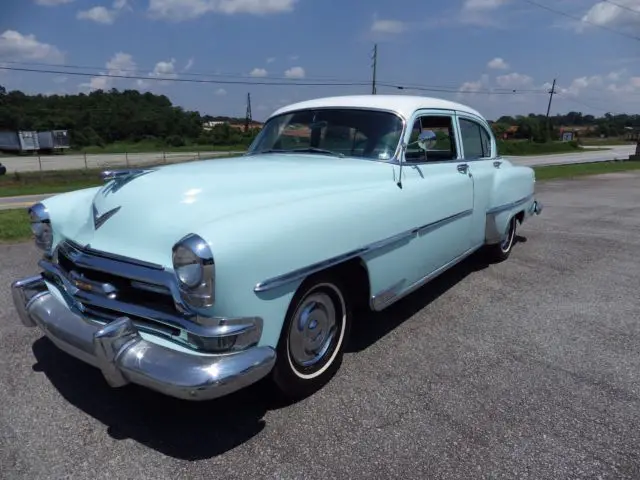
(194, 251)
(41, 227)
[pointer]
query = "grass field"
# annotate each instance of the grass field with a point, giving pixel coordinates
(606, 141)
(14, 225)
(152, 147)
(33, 183)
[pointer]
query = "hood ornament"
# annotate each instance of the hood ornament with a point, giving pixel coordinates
(98, 220)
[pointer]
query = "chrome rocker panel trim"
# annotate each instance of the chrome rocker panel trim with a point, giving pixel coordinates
(123, 356)
(304, 272)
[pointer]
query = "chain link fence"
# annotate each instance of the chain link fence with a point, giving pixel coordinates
(88, 161)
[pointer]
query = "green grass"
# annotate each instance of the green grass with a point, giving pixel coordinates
(606, 141)
(34, 183)
(14, 225)
(553, 172)
(524, 148)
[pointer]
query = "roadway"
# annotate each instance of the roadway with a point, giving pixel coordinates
(523, 369)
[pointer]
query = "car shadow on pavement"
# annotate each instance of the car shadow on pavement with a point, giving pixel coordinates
(179, 429)
(370, 327)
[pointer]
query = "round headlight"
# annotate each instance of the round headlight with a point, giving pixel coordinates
(41, 226)
(187, 266)
(195, 271)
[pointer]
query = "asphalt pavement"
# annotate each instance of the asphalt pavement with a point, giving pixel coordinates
(525, 369)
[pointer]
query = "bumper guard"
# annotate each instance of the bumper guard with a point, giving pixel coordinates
(123, 356)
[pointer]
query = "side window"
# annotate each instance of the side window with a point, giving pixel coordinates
(445, 144)
(475, 139)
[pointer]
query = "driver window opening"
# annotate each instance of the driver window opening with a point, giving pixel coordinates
(444, 146)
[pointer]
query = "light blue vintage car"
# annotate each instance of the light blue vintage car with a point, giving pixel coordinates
(201, 278)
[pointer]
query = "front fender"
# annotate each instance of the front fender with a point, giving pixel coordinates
(70, 212)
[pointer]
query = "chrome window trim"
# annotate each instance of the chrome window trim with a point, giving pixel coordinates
(301, 273)
(399, 146)
(485, 125)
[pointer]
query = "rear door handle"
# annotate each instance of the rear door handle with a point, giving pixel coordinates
(463, 168)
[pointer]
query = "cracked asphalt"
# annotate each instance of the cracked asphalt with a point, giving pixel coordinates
(524, 369)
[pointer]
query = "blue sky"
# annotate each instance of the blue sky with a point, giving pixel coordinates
(471, 49)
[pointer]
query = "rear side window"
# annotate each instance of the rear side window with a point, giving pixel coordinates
(475, 139)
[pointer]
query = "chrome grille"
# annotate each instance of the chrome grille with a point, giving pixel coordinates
(105, 287)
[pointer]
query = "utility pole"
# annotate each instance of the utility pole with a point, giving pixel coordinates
(248, 119)
(375, 67)
(551, 93)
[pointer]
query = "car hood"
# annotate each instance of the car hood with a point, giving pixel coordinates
(148, 212)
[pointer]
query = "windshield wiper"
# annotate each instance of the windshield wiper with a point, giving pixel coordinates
(317, 150)
(300, 150)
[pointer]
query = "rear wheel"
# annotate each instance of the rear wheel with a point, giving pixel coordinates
(501, 251)
(313, 337)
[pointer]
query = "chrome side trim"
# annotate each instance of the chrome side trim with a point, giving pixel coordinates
(419, 283)
(387, 295)
(508, 206)
(123, 356)
(300, 273)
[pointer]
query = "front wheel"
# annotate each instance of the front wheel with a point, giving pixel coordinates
(313, 337)
(501, 251)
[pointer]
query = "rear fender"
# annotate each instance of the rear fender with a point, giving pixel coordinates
(512, 193)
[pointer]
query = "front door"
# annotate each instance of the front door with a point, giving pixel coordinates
(439, 193)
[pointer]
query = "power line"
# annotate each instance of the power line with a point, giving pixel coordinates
(272, 83)
(624, 7)
(565, 14)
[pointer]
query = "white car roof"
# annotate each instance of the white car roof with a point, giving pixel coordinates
(405, 105)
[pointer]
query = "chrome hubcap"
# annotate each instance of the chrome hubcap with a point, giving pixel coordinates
(313, 329)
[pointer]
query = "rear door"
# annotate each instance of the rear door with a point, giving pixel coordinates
(478, 150)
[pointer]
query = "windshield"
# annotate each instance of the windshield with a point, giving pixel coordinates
(332, 131)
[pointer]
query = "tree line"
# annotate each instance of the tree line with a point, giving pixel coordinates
(538, 129)
(104, 117)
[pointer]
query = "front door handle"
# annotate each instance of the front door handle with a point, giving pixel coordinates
(463, 168)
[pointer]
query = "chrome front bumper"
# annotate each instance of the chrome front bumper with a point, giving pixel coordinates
(123, 356)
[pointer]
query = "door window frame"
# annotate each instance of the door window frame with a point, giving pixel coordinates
(484, 125)
(429, 112)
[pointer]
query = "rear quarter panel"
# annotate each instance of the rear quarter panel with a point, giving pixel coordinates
(512, 192)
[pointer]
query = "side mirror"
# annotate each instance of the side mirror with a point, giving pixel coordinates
(427, 140)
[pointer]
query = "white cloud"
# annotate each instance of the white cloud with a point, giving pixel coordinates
(179, 10)
(59, 79)
(607, 14)
(16, 46)
(189, 65)
(484, 4)
(102, 14)
(514, 80)
(271, 59)
(121, 64)
(98, 15)
(221, 92)
(52, 3)
(294, 58)
(498, 64)
(471, 87)
(258, 72)
(388, 26)
(164, 69)
(295, 72)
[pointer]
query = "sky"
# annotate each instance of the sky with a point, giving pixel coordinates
(207, 55)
